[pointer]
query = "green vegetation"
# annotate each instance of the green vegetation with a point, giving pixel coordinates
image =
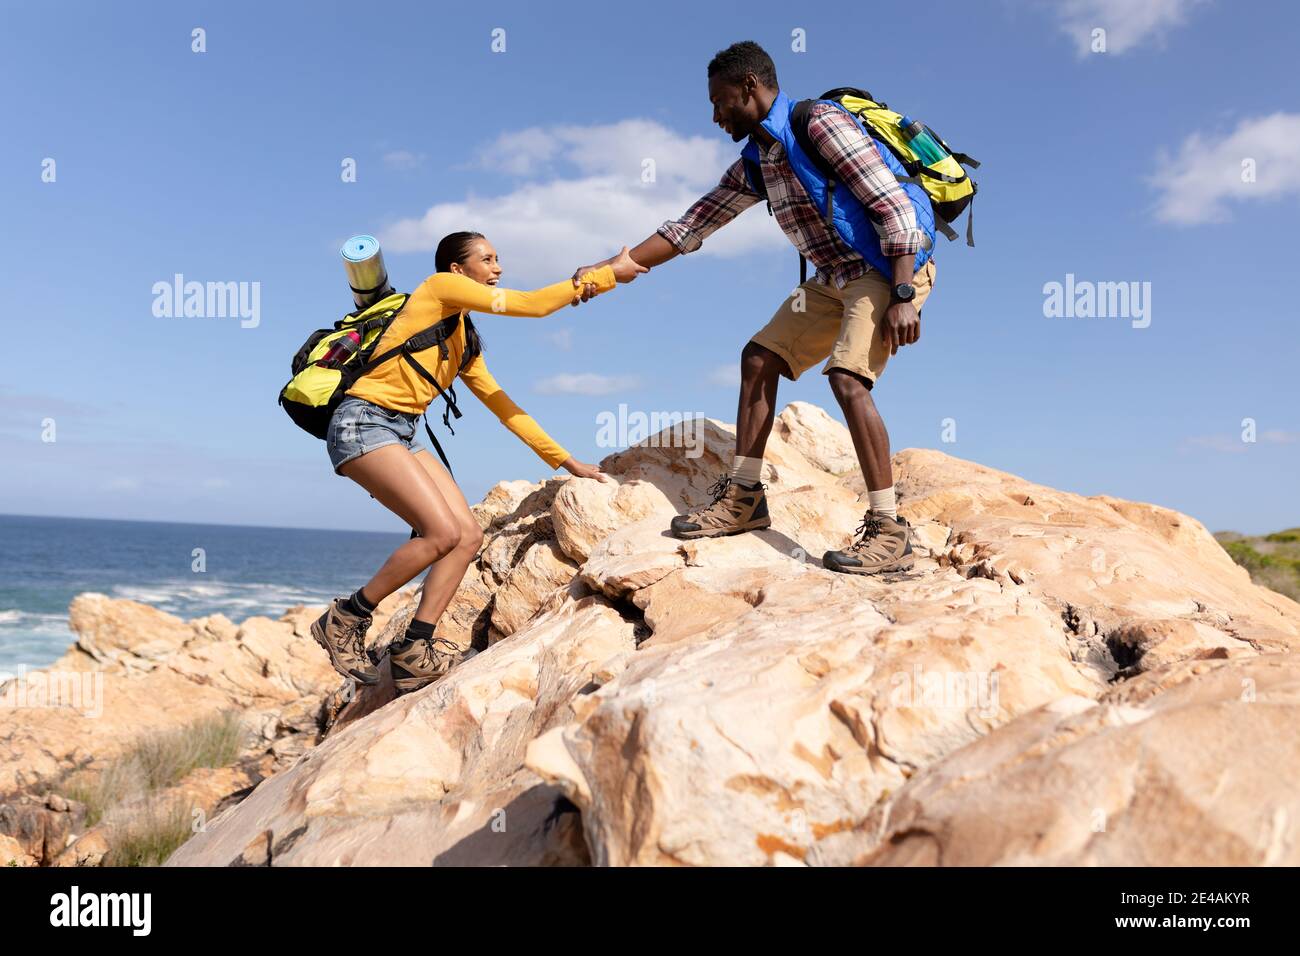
(1273, 560)
(150, 834)
(145, 825)
(165, 759)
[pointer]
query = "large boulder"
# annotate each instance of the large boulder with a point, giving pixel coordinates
(437, 776)
(1198, 765)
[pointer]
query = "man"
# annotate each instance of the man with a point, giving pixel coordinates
(863, 305)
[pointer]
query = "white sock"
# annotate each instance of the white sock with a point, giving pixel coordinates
(882, 502)
(747, 471)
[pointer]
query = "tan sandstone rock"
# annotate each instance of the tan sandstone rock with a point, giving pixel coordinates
(755, 708)
(13, 854)
(436, 776)
(135, 670)
(1197, 767)
(637, 699)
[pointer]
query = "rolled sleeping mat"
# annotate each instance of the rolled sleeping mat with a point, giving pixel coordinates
(363, 261)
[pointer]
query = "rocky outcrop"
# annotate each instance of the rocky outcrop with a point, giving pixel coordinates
(35, 829)
(136, 671)
(1196, 763)
(437, 776)
(1055, 674)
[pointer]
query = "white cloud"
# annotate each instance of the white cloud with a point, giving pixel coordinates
(1128, 23)
(1279, 437)
(618, 149)
(728, 375)
(562, 338)
(403, 159)
(1234, 445)
(1207, 172)
(524, 153)
(1220, 443)
(586, 383)
(578, 196)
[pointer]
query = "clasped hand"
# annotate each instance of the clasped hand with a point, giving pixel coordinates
(625, 270)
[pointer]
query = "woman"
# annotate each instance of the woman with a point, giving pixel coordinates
(371, 441)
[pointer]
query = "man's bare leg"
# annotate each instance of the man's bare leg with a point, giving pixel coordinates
(885, 544)
(867, 428)
(760, 375)
(739, 503)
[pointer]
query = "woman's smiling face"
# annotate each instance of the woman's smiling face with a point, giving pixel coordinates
(480, 263)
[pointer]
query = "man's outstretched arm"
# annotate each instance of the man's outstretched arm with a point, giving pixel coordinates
(653, 251)
(723, 203)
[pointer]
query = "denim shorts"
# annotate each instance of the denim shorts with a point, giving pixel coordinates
(359, 426)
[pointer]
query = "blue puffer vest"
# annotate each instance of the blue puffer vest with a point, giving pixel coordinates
(850, 218)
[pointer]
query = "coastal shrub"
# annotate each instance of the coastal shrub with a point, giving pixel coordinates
(148, 833)
(155, 762)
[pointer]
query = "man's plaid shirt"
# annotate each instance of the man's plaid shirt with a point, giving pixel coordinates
(858, 166)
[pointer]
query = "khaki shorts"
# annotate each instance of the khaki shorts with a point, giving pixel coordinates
(839, 325)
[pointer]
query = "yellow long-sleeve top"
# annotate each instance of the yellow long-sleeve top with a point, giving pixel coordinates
(398, 386)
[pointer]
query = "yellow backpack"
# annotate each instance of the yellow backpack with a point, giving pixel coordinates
(927, 159)
(319, 385)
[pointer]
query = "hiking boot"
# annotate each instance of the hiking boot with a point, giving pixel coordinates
(735, 508)
(343, 635)
(420, 662)
(885, 545)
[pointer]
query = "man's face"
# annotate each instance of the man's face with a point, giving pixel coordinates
(735, 107)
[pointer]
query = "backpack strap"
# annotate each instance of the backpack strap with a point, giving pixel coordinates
(471, 336)
(754, 175)
(434, 335)
(946, 230)
(441, 454)
(916, 171)
(799, 119)
(839, 91)
(448, 396)
(373, 289)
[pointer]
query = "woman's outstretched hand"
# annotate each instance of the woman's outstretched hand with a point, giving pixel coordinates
(581, 469)
(625, 270)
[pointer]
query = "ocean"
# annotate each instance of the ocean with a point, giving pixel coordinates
(238, 571)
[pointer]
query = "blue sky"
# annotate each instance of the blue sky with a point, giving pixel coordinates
(1122, 166)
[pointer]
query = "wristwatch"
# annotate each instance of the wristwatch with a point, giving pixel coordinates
(904, 292)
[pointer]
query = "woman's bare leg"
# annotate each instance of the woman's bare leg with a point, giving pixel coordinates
(404, 487)
(445, 576)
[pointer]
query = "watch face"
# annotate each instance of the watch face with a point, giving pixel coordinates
(904, 292)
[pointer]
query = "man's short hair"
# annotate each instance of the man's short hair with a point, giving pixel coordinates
(740, 58)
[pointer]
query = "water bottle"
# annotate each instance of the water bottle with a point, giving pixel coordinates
(342, 350)
(922, 143)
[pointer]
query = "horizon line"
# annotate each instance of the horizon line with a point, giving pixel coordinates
(196, 524)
